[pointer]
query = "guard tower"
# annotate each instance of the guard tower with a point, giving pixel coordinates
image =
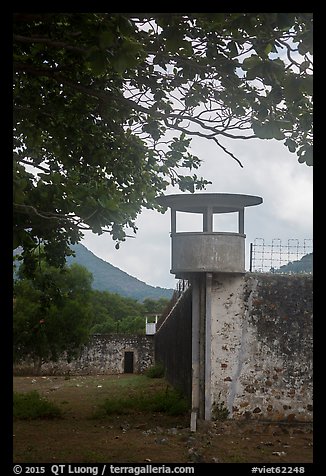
(197, 256)
(208, 251)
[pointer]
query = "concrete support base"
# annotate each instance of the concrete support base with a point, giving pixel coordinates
(193, 421)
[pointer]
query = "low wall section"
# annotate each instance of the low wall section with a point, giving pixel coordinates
(104, 354)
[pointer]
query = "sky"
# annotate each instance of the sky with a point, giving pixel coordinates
(269, 171)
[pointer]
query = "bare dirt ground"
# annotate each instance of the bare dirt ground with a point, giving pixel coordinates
(80, 437)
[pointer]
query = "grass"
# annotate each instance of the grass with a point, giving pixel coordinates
(169, 402)
(31, 405)
(141, 431)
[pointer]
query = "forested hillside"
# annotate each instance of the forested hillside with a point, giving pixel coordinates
(109, 278)
(304, 265)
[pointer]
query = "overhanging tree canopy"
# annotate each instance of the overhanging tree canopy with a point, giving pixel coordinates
(105, 105)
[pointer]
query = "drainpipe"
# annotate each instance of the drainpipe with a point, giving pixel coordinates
(208, 342)
(195, 354)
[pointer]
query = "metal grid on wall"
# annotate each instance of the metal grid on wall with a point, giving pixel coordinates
(272, 257)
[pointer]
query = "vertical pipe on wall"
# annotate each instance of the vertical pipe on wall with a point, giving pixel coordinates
(202, 323)
(208, 345)
(195, 354)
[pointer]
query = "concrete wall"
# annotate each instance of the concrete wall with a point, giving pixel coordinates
(261, 358)
(261, 346)
(104, 354)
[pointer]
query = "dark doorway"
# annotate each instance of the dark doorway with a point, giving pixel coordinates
(129, 363)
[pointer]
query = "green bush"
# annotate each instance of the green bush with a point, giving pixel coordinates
(156, 371)
(31, 405)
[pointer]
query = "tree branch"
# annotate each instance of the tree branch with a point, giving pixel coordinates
(35, 70)
(211, 137)
(49, 42)
(209, 128)
(45, 215)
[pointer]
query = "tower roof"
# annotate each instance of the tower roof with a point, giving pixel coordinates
(199, 202)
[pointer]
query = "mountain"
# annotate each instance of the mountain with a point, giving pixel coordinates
(304, 265)
(109, 278)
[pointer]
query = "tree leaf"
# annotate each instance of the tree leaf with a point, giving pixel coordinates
(106, 39)
(98, 62)
(251, 62)
(268, 48)
(291, 145)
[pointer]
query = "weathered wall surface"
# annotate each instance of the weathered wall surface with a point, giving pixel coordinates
(261, 356)
(104, 354)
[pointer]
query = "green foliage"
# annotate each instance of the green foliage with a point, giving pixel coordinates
(55, 310)
(132, 325)
(155, 306)
(52, 313)
(30, 406)
(106, 326)
(115, 313)
(156, 371)
(118, 306)
(169, 401)
(96, 114)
